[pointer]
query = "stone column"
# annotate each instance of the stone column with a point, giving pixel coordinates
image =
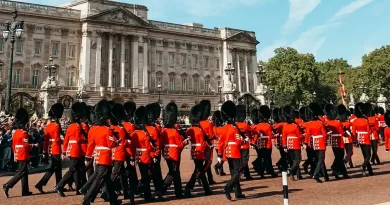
(85, 56)
(254, 68)
(134, 60)
(110, 53)
(145, 82)
(123, 63)
(246, 72)
(227, 57)
(98, 58)
(238, 70)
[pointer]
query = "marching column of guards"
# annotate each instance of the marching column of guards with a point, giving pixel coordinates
(105, 144)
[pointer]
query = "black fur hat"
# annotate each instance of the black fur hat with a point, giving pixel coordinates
(342, 113)
(240, 113)
(140, 116)
(281, 115)
(330, 111)
(302, 112)
(21, 117)
(78, 111)
(102, 112)
(228, 110)
(381, 110)
(170, 115)
(217, 118)
(387, 118)
(56, 110)
(92, 115)
(275, 115)
(130, 107)
(315, 109)
(367, 109)
(255, 116)
(196, 114)
(376, 109)
(296, 114)
(118, 112)
(351, 111)
(359, 110)
(288, 113)
(152, 112)
(264, 113)
(205, 109)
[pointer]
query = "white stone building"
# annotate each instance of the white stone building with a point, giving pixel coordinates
(118, 53)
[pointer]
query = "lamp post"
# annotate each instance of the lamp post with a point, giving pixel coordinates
(12, 30)
(220, 94)
(51, 68)
(159, 92)
(315, 96)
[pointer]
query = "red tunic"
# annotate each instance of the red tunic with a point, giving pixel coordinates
(278, 127)
(246, 129)
(20, 145)
(263, 135)
(381, 121)
(387, 138)
(140, 145)
(232, 143)
(373, 121)
(291, 137)
(52, 140)
(119, 152)
(129, 128)
(298, 121)
(347, 139)
(171, 143)
(361, 131)
(337, 135)
(84, 140)
(218, 132)
(198, 143)
(101, 142)
(153, 132)
(72, 141)
(315, 133)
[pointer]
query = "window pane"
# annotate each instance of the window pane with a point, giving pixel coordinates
(37, 48)
(183, 60)
(195, 61)
(171, 59)
(159, 58)
(217, 64)
(114, 54)
(184, 84)
(19, 46)
(1, 45)
(54, 50)
(206, 62)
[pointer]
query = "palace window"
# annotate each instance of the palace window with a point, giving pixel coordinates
(242, 84)
(206, 62)
(159, 58)
(38, 46)
(113, 80)
(126, 55)
(19, 46)
(35, 78)
(172, 59)
(54, 48)
(126, 81)
(183, 60)
(159, 76)
(16, 79)
(184, 84)
(241, 65)
(195, 61)
(72, 51)
(196, 84)
(171, 83)
(114, 54)
(69, 80)
(217, 64)
(207, 87)
(1, 45)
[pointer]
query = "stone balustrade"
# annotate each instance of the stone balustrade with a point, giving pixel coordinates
(186, 29)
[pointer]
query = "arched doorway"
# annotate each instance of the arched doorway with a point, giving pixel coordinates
(23, 100)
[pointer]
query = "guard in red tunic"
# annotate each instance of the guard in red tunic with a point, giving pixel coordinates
(374, 125)
(84, 134)
(72, 149)
(102, 142)
(52, 146)
(381, 122)
(245, 129)
(171, 144)
(198, 149)
(316, 138)
(280, 121)
(337, 136)
(309, 152)
(292, 141)
(218, 132)
(263, 140)
(348, 141)
(21, 149)
(232, 144)
(361, 131)
(387, 131)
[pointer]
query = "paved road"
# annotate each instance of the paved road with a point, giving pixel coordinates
(357, 190)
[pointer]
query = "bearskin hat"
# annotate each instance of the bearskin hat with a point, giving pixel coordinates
(152, 112)
(381, 110)
(296, 114)
(342, 112)
(281, 115)
(315, 109)
(118, 112)
(275, 115)
(264, 113)
(21, 117)
(359, 110)
(387, 118)
(78, 111)
(376, 109)
(240, 113)
(302, 115)
(367, 110)
(92, 115)
(56, 110)
(196, 114)
(289, 113)
(228, 110)
(351, 111)
(170, 115)
(217, 118)
(130, 107)
(140, 116)
(330, 111)
(206, 109)
(102, 112)
(255, 116)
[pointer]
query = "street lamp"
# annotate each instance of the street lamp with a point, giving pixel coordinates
(12, 30)
(314, 95)
(159, 92)
(260, 72)
(51, 68)
(220, 93)
(271, 93)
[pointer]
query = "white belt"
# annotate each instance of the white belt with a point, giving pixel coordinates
(264, 137)
(102, 148)
(18, 146)
(72, 141)
(196, 145)
(140, 149)
(318, 136)
(128, 141)
(230, 143)
(292, 137)
(171, 145)
(51, 140)
(362, 133)
(335, 135)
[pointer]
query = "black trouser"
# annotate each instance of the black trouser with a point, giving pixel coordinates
(72, 171)
(82, 171)
(320, 166)
(244, 162)
(207, 166)
(348, 152)
(310, 160)
(234, 182)
(375, 157)
(219, 165)
(103, 175)
(144, 170)
(338, 165)
(132, 176)
(55, 168)
(22, 175)
(89, 169)
(118, 172)
(173, 175)
(266, 159)
(382, 133)
(198, 173)
(282, 163)
(366, 151)
(295, 155)
(34, 157)
(157, 175)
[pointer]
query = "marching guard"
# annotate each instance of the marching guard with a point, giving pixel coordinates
(374, 125)
(245, 129)
(386, 131)
(348, 141)
(218, 132)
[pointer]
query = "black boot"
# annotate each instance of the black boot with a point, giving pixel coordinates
(6, 190)
(40, 188)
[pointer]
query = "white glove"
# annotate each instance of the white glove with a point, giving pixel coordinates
(155, 160)
(246, 139)
(219, 159)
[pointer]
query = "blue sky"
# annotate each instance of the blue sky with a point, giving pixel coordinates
(327, 28)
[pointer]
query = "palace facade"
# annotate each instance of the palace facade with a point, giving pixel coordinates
(113, 50)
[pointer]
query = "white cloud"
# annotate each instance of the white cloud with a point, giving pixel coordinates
(350, 8)
(299, 9)
(267, 52)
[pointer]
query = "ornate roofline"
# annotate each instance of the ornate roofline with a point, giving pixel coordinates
(234, 37)
(138, 19)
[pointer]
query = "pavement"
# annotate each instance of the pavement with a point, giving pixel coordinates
(358, 190)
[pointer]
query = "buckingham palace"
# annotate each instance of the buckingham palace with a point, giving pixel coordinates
(112, 50)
